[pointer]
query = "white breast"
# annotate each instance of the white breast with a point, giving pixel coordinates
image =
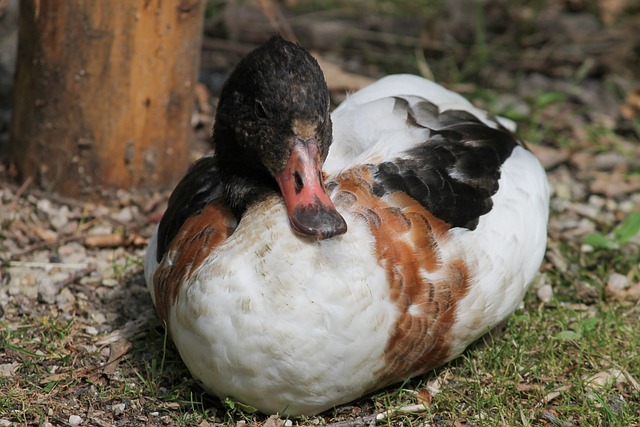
(269, 317)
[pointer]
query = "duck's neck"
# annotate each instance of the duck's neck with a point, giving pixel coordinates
(244, 180)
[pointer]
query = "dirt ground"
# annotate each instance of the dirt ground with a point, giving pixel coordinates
(77, 321)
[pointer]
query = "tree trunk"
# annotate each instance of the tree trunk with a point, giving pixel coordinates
(103, 92)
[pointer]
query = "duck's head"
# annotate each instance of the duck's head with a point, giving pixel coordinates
(273, 132)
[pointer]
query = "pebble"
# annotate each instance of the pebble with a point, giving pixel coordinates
(72, 253)
(59, 218)
(65, 299)
(118, 408)
(126, 214)
(98, 318)
(91, 330)
(617, 282)
(48, 288)
(75, 420)
(545, 293)
(24, 284)
(44, 207)
(4, 423)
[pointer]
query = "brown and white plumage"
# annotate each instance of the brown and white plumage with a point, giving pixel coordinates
(294, 291)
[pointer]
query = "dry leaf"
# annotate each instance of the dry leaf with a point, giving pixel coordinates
(423, 397)
(117, 349)
(629, 294)
(606, 379)
(273, 421)
(8, 370)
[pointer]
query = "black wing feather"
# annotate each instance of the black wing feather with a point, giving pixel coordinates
(455, 172)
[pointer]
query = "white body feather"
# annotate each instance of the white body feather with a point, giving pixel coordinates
(289, 324)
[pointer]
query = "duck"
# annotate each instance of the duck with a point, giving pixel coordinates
(316, 257)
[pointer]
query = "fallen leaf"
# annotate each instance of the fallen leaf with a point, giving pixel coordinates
(424, 397)
(629, 294)
(554, 394)
(7, 370)
(117, 349)
(273, 421)
(605, 379)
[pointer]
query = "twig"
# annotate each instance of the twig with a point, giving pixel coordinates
(411, 409)
(78, 275)
(45, 244)
(27, 182)
(548, 416)
(35, 264)
(358, 422)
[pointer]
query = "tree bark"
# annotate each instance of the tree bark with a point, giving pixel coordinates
(103, 92)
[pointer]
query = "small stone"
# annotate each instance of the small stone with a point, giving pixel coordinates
(4, 423)
(545, 293)
(118, 408)
(72, 253)
(125, 215)
(110, 282)
(75, 420)
(563, 191)
(288, 423)
(65, 299)
(98, 318)
(617, 282)
(59, 218)
(47, 289)
(88, 348)
(24, 284)
(627, 206)
(44, 206)
(91, 330)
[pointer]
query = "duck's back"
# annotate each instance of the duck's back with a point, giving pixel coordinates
(372, 120)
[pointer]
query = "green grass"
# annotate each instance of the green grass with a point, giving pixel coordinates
(539, 365)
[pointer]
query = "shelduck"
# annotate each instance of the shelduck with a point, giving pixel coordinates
(316, 257)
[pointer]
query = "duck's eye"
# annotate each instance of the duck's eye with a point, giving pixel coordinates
(260, 111)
